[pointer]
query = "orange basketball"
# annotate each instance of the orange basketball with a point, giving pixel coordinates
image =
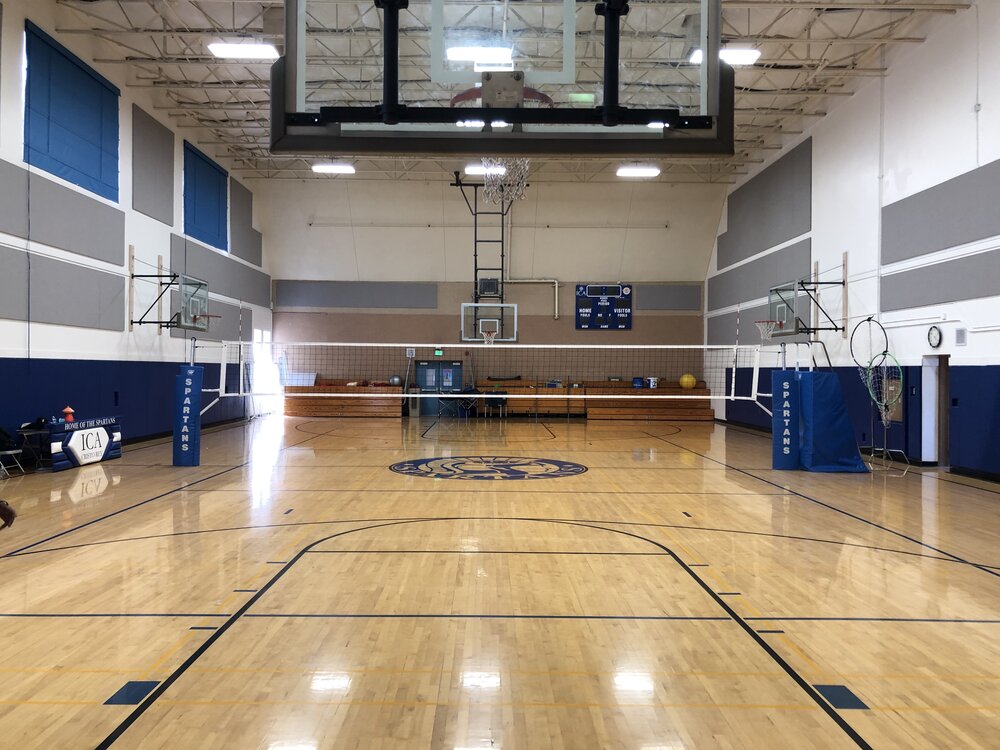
(687, 381)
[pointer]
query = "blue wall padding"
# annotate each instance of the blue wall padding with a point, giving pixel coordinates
(827, 434)
(141, 393)
(975, 420)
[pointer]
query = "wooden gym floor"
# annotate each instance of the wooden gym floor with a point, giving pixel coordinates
(293, 593)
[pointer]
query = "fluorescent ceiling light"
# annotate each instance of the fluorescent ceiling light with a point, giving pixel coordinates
(657, 125)
(637, 170)
(735, 56)
(478, 170)
(481, 55)
(471, 123)
(579, 97)
(244, 51)
(333, 168)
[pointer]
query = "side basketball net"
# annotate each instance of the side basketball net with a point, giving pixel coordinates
(767, 329)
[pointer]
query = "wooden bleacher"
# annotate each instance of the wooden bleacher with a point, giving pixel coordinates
(632, 405)
(331, 406)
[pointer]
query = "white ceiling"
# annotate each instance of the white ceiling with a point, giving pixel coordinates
(812, 53)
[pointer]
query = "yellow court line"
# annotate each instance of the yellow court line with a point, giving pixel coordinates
(544, 673)
(494, 704)
(34, 702)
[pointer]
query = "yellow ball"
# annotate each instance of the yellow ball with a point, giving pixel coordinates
(687, 381)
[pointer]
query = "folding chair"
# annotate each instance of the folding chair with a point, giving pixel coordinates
(12, 454)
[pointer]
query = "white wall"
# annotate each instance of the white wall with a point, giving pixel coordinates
(897, 136)
(348, 229)
(149, 237)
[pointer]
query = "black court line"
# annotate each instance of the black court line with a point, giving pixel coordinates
(495, 518)
(244, 591)
(986, 569)
(424, 433)
(133, 506)
(203, 627)
(806, 687)
(771, 632)
(295, 615)
(686, 514)
(476, 551)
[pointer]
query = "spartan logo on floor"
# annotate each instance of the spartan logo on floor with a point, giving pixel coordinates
(488, 467)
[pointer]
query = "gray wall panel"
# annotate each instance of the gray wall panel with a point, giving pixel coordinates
(668, 297)
(245, 241)
(952, 281)
(722, 328)
(69, 220)
(752, 281)
(773, 207)
(96, 299)
(178, 254)
(961, 210)
(152, 167)
(13, 199)
(13, 284)
(360, 294)
(226, 276)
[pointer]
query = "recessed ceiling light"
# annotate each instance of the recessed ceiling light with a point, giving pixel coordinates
(478, 170)
(481, 55)
(244, 51)
(638, 170)
(735, 56)
(333, 168)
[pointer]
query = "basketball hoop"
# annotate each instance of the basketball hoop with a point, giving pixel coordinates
(489, 336)
(767, 328)
(206, 317)
(505, 179)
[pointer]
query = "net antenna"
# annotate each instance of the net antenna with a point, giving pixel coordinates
(505, 179)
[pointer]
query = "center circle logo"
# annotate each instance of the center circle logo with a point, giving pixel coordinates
(488, 468)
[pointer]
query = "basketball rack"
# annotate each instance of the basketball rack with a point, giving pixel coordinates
(788, 293)
(165, 286)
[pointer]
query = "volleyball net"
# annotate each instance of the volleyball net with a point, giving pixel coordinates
(529, 371)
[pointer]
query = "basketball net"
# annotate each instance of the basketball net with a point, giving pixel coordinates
(767, 328)
(489, 336)
(505, 179)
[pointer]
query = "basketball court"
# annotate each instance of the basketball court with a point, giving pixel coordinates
(294, 591)
(487, 376)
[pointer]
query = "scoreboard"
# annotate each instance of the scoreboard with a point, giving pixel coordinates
(604, 307)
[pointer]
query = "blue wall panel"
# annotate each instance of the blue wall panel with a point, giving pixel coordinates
(141, 393)
(206, 199)
(975, 420)
(71, 116)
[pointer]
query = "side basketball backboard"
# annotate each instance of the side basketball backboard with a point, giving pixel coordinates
(193, 313)
(783, 305)
(478, 319)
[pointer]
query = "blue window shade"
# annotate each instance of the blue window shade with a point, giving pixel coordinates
(206, 199)
(71, 117)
